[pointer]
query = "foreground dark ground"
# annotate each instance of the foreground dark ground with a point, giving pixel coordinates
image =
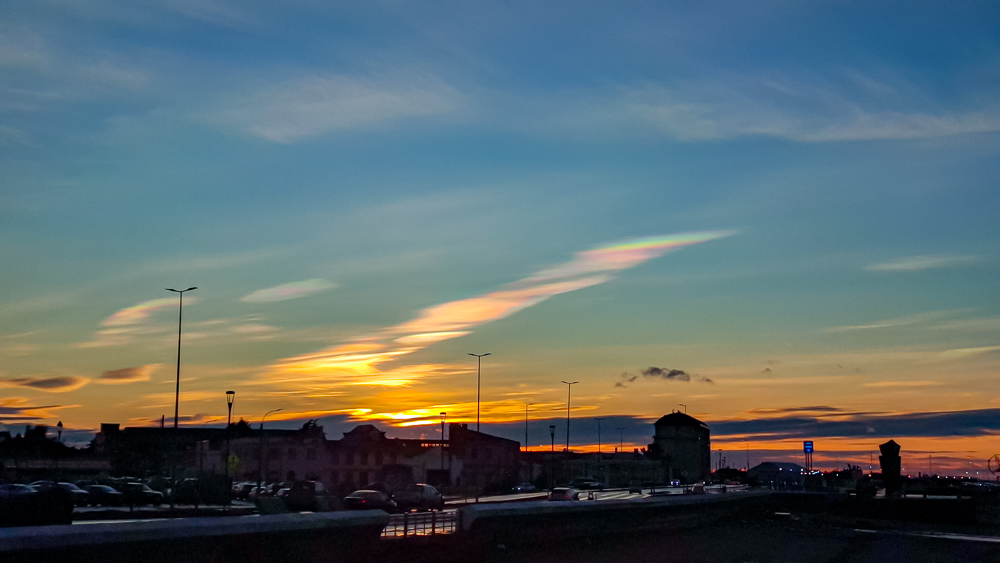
(778, 540)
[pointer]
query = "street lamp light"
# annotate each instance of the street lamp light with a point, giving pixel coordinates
(230, 397)
(260, 459)
(569, 388)
(599, 434)
(59, 431)
(479, 378)
(180, 316)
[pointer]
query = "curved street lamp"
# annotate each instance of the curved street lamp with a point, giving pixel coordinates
(180, 316)
(479, 378)
(569, 387)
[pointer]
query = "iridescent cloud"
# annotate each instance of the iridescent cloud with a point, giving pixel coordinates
(128, 375)
(453, 319)
(142, 311)
(60, 384)
(287, 291)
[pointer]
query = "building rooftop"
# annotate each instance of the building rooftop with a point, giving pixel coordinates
(679, 419)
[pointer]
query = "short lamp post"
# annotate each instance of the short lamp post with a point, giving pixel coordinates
(230, 397)
(59, 431)
(443, 416)
(260, 459)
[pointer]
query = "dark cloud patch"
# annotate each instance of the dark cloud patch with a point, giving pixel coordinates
(49, 384)
(979, 422)
(662, 374)
(666, 373)
(765, 370)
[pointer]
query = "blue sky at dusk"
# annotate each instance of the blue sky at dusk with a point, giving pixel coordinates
(793, 204)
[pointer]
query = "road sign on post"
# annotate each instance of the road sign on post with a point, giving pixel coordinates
(807, 447)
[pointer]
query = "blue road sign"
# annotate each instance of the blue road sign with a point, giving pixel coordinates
(807, 447)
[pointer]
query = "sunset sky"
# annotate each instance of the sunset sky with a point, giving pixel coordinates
(784, 216)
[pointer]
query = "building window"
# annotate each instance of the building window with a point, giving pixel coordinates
(311, 454)
(292, 454)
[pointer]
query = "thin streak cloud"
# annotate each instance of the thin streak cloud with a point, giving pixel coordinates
(925, 262)
(286, 291)
(457, 318)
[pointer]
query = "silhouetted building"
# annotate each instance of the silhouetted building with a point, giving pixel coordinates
(891, 464)
(779, 475)
(682, 444)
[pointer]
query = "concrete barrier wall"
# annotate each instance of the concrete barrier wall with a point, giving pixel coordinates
(302, 538)
(545, 521)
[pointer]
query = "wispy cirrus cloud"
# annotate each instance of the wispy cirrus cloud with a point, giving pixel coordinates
(286, 291)
(128, 375)
(141, 312)
(924, 262)
(456, 318)
(316, 105)
(60, 384)
(19, 409)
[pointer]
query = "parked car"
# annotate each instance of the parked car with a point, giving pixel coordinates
(418, 496)
(369, 500)
(256, 492)
(24, 505)
(80, 496)
(241, 491)
(564, 493)
(525, 488)
(104, 495)
(307, 496)
(140, 493)
(587, 484)
(635, 487)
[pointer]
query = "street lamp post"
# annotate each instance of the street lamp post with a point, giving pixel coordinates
(59, 431)
(552, 457)
(230, 397)
(443, 416)
(621, 441)
(526, 405)
(260, 460)
(599, 434)
(479, 378)
(569, 387)
(180, 317)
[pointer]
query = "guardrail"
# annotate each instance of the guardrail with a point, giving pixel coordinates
(412, 524)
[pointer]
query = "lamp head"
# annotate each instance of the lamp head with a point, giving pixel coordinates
(230, 397)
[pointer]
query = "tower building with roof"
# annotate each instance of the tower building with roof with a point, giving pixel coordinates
(682, 443)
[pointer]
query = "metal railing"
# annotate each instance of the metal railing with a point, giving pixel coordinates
(412, 524)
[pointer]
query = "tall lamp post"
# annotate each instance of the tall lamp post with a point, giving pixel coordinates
(479, 378)
(599, 434)
(621, 440)
(260, 460)
(230, 397)
(569, 387)
(180, 317)
(526, 405)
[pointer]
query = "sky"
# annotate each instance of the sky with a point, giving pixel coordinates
(778, 216)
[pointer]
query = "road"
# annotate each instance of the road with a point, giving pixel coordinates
(606, 494)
